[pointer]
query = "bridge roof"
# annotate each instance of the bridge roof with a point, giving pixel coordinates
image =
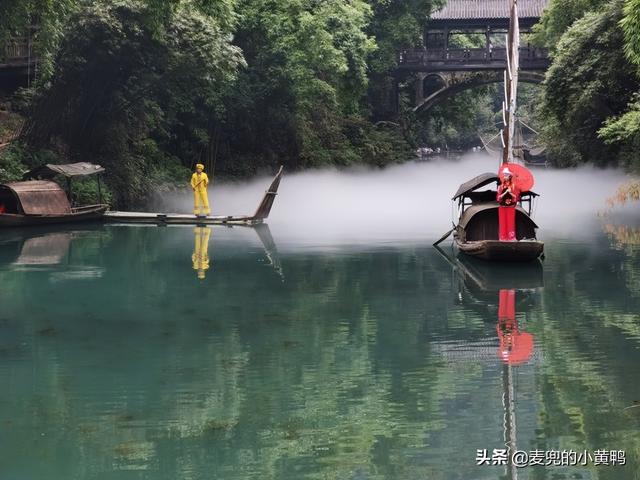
(488, 9)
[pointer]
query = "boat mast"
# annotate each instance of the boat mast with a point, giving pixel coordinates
(511, 83)
(509, 406)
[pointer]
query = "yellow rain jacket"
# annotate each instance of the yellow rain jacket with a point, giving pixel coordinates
(199, 183)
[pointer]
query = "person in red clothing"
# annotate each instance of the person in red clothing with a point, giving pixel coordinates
(2, 209)
(508, 196)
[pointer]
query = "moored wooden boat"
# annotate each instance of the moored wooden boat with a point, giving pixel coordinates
(520, 251)
(41, 202)
(476, 233)
(80, 214)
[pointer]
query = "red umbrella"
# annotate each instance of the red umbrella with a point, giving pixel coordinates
(515, 348)
(522, 176)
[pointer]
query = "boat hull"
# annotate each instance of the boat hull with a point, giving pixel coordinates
(86, 214)
(495, 250)
(178, 219)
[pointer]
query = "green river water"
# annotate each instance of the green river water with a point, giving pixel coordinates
(289, 361)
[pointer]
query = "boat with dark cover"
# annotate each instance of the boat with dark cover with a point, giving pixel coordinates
(40, 201)
(476, 233)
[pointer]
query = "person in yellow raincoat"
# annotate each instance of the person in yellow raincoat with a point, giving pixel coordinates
(200, 257)
(199, 183)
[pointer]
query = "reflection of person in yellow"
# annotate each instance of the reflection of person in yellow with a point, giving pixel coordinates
(199, 183)
(200, 257)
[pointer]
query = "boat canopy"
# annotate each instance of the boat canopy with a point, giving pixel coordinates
(36, 197)
(48, 171)
(483, 180)
(477, 182)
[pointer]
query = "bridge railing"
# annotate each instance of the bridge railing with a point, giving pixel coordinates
(531, 58)
(16, 52)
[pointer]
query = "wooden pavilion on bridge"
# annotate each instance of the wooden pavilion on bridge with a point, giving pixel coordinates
(487, 22)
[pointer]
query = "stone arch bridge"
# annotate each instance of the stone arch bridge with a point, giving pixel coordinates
(446, 64)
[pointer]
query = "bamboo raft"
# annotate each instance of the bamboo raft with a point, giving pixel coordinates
(261, 214)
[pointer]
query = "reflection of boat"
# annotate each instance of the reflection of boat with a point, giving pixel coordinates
(43, 202)
(486, 283)
(483, 277)
(476, 233)
(44, 250)
(260, 215)
(270, 248)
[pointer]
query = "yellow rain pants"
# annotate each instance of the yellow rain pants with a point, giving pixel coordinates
(200, 257)
(199, 183)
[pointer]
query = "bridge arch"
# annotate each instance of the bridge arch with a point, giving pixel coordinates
(456, 82)
(433, 83)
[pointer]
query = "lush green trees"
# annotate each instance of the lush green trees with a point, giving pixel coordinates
(589, 82)
(149, 87)
(300, 99)
(456, 121)
(590, 106)
(136, 96)
(559, 16)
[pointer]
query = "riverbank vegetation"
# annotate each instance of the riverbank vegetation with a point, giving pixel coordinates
(590, 102)
(148, 88)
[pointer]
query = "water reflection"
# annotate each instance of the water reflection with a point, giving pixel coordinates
(479, 284)
(371, 363)
(48, 249)
(59, 252)
(200, 256)
(623, 236)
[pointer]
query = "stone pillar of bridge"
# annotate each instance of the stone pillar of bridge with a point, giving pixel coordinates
(419, 86)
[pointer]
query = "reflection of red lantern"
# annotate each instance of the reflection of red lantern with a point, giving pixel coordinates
(522, 176)
(515, 347)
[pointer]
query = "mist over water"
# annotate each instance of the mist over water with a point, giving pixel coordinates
(403, 204)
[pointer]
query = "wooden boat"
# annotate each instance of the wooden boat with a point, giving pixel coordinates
(260, 215)
(41, 202)
(476, 233)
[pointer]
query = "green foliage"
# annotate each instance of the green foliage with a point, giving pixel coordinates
(559, 15)
(623, 133)
(121, 86)
(85, 191)
(149, 87)
(395, 25)
(589, 81)
(49, 17)
(623, 128)
(455, 122)
(306, 74)
(631, 26)
(16, 159)
(12, 164)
